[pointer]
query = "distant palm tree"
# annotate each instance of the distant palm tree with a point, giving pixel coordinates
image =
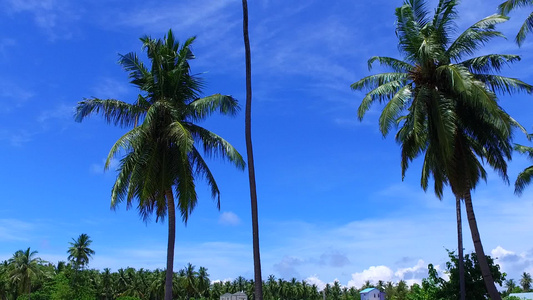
(258, 291)
(24, 267)
(161, 160)
(524, 178)
(446, 106)
(527, 27)
(510, 285)
(525, 282)
(79, 252)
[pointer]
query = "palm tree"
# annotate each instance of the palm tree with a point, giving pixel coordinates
(524, 178)
(161, 160)
(525, 281)
(250, 155)
(445, 106)
(510, 285)
(510, 5)
(79, 252)
(24, 267)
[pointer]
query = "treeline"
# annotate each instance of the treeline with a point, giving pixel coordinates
(26, 276)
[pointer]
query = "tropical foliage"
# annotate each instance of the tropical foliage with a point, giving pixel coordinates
(162, 159)
(443, 100)
(524, 178)
(79, 252)
(62, 282)
(527, 26)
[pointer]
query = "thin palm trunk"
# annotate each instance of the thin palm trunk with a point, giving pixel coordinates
(482, 260)
(171, 241)
(258, 291)
(460, 248)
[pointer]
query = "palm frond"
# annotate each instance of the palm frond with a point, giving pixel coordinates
(114, 111)
(394, 107)
(199, 109)
(124, 143)
(203, 170)
(526, 28)
(475, 36)
(505, 85)
(381, 93)
(489, 63)
(393, 63)
(138, 73)
(522, 180)
(444, 20)
(509, 5)
(214, 145)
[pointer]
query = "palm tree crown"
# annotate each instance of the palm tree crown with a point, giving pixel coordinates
(161, 157)
(527, 26)
(79, 252)
(443, 99)
(25, 267)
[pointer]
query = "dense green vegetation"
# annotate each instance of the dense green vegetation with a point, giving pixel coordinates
(25, 272)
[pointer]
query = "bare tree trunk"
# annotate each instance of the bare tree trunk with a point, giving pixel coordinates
(460, 249)
(482, 260)
(171, 241)
(258, 291)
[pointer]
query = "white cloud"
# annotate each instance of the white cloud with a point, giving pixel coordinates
(315, 280)
(229, 218)
(514, 264)
(374, 273)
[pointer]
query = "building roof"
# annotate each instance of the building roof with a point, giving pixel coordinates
(226, 294)
(522, 295)
(367, 290)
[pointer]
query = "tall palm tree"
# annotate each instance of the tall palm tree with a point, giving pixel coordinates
(524, 178)
(445, 106)
(527, 27)
(250, 155)
(525, 281)
(24, 267)
(162, 161)
(79, 252)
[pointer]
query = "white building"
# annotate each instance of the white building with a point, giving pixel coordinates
(372, 294)
(236, 296)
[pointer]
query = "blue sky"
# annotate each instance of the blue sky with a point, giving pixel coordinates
(332, 204)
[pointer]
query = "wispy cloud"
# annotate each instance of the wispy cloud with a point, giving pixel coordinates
(229, 218)
(61, 112)
(14, 95)
(99, 168)
(110, 88)
(14, 230)
(16, 138)
(54, 17)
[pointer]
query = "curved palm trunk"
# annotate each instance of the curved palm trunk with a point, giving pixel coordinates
(485, 270)
(258, 291)
(460, 249)
(171, 241)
